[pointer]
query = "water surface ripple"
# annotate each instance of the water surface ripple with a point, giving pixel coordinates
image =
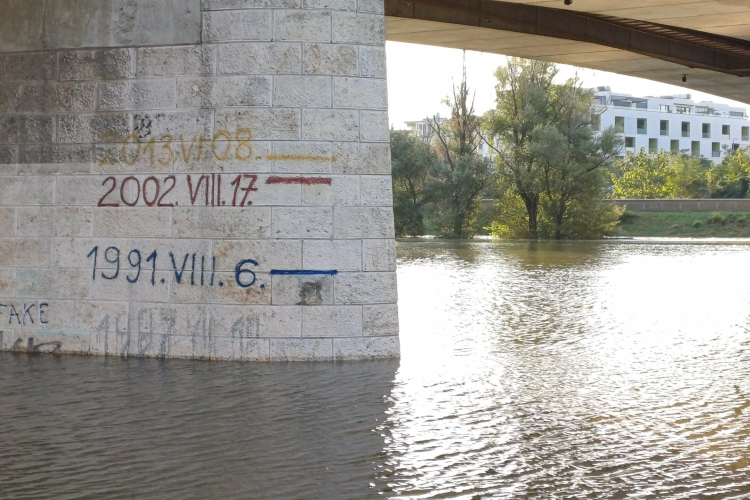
(562, 371)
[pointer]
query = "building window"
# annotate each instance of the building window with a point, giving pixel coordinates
(725, 130)
(620, 124)
(653, 146)
(706, 130)
(683, 110)
(735, 146)
(739, 114)
(695, 148)
(701, 110)
(664, 127)
(596, 123)
(641, 105)
(685, 129)
(630, 142)
(746, 133)
(642, 126)
(715, 149)
(674, 146)
(664, 108)
(621, 103)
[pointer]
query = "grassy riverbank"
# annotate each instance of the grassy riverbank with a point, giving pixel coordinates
(695, 224)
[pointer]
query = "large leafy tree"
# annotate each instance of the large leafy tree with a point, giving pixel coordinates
(548, 153)
(462, 173)
(523, 106)
(411, 160)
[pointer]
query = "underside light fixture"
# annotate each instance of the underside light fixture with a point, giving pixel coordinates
(684, 78)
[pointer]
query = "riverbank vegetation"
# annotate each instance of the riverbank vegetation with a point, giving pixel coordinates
(686, 224)
(540, 156)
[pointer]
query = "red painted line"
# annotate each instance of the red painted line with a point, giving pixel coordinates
(308, 181)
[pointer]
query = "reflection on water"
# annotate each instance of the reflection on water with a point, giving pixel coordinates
(569, 370)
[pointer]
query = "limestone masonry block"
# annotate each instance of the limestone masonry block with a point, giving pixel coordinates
(302, 290)
(374, 126)
(271, 254)
(111, 64)
(343, 191)
(222, 92)
(206, 222)
(7, 222)
(256, 321)
(132, 222)
(25, 252)
(7, 282)
(330, 124)
(372, 61)
(176, 61)
(54, 221)
(302, 223)
(87, 129)
(366, 348)
(301, 349)
(303, 25)
(302, 91)
(302, 157)
(26, 190)
(59, 97)
(272, 123)
(374, 6)
(236, 25)
(362, 158)
(379, 255)
(362, 93)
(365, 288)
(380, 320)
(28, 67)
(358, 28)
(332, 321)
(74, 154)
(143, 94)
(260, 58)
(198, 179)
(249, 4)
(377, 190)
(364, 222)
(328, 59)
(350, 5)
(342, 255)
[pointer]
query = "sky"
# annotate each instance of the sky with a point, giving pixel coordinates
(420, 77)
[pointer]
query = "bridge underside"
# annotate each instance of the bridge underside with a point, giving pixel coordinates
(709, 41)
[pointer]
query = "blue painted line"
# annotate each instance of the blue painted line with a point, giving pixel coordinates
(282, 272)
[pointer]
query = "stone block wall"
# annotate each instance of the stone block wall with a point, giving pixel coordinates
(196, 179)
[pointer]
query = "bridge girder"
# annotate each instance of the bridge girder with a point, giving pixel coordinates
(715, 63)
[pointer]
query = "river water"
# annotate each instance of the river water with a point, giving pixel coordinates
(565, 371)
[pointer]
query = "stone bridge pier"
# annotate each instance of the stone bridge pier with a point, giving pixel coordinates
(204, 179)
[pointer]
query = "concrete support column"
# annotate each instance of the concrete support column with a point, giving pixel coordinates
(196, 179)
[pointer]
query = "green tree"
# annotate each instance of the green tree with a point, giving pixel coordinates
(549, 155)
(731, 177)
(462, 173)
(662, 175)
(524, 105)
(411, 160)
(640, 175)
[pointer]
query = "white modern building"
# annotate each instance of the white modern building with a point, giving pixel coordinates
(674, 123)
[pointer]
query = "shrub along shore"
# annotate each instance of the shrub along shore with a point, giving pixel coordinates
(686, 224)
